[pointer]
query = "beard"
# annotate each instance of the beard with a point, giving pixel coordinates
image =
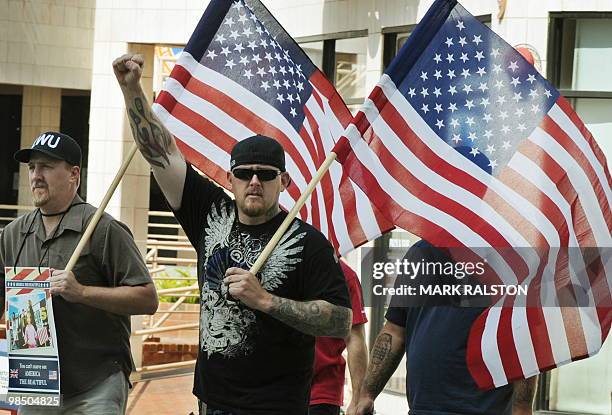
(40, 198)
(256, 208)
(253, 209)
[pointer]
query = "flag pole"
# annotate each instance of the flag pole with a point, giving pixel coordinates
(96, 217)
(292, 214)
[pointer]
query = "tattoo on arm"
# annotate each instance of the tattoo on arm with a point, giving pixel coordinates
(317, 318)
(383, 362)
(154, 141)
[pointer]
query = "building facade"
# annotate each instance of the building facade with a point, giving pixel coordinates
(55, 73)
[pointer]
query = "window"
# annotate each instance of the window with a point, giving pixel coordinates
(342, 58)
(394, 39)
(350, 69)
(314, 50)
(579, 64)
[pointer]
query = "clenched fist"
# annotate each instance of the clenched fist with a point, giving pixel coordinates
(128, 69)
(244, 286)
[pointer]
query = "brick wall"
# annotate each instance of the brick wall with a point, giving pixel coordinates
(158, 353)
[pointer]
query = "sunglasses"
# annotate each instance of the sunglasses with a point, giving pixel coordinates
(264, 175)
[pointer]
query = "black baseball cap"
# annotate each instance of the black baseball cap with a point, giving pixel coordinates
(258, 149)
(53, 144)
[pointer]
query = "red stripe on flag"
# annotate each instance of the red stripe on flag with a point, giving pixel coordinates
(439, 166)
(213, 171)
(539, 200)
(343, 115)
(314, 196)
(558, 176)
(181, 74)
(250, 119)
(579, 223)
(570, 146)
(336, 103)
(507, 345)
(326, 184)
(347, 195)
(581, 226)
(540, 339)
(208, 129)
(421, 226)
(569, 111)
(474, 358)
(428, 195)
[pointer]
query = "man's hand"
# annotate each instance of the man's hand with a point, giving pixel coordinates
(245, 286)
(128, 69)
(65, 284)
(365, 406)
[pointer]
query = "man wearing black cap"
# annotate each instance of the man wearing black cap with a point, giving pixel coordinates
(91, 304)
(257, 333)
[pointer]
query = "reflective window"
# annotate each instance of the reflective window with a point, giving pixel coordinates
(350, 77)
(314, 50)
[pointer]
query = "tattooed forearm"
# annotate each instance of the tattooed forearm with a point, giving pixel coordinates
(384, 359)
(153, 140)
(317, 318)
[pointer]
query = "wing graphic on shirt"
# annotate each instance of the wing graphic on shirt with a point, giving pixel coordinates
(283, 259)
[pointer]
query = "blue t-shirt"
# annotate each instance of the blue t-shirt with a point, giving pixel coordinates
(438, 381)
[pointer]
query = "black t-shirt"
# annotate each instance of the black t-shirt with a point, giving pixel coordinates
(249, 362)
(438, 380)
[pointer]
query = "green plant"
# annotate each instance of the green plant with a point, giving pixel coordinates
(180, 273)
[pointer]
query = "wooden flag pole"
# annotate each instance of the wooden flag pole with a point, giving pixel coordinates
(292, 214)
(96, 217)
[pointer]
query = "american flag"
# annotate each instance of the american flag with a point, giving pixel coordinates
(241, 74)
(465, 144)
(43, 335)
(14, 373)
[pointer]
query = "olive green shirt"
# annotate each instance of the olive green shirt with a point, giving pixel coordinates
(92, 343)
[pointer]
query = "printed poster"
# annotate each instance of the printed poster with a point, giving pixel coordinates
(33, 362)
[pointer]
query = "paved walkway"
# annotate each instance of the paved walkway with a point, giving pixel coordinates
(173, 396)
(170, 396)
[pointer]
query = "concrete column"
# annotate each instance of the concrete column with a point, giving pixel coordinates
(40, 111)
(374, 60)
(110, 139)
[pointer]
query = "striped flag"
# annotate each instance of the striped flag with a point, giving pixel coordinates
(43, 335)
(241, 74)
(465, 144)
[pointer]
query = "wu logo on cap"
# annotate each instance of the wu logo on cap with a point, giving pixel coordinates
(47, 139)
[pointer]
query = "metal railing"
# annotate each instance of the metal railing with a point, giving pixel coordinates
(167, 249)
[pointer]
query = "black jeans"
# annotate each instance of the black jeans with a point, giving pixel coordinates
(204, 410)
(324, 409)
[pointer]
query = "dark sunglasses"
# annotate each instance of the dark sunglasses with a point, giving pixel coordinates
(264, 175)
